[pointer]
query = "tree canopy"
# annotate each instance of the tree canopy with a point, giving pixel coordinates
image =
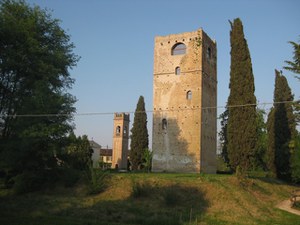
(35, 107)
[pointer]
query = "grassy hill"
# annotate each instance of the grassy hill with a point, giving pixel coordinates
(154, 199)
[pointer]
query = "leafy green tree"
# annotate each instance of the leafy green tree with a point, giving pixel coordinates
(139, 135)
(223, 136)
(79, 152)
(35, 107)
(281, 127)
(242, 119)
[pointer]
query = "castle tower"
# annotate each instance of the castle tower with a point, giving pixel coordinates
(184, 103)
(120, 140)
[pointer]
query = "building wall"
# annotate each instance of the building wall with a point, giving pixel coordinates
(120, 140)
(182, 144)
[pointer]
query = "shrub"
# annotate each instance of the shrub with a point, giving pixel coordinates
(28, 182)
(70, 177)
(96, 179)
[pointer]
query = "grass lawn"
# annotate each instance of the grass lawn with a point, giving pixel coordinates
(156, 199)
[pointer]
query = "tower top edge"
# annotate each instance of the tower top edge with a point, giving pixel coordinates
(121, 115)
(199, 32)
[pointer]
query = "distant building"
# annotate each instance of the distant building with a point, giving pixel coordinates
(120, 140)
(96, 153)
(106, 158)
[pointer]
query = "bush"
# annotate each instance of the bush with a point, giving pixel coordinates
(70, 177)
(96, 179)
(28, 182)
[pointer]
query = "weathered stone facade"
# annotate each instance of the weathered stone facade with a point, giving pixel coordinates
(184, 103)
(120, 140)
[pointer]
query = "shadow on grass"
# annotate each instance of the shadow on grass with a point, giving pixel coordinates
(167, 205)
(173, 204)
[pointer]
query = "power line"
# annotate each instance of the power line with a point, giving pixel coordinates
(147, 111)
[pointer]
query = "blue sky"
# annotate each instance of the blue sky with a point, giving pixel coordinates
(115, 39)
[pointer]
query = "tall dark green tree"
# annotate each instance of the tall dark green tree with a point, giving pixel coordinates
(242, 120)
(281, 128)
(35, 106)
(139, 135)
(294, 66)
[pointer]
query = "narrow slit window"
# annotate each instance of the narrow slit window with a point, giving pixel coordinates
(189, 95)
(208, 53)
(178, 49)
(164, 124)
(177, 70)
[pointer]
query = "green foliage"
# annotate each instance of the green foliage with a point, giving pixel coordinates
(69, 176)
(281, 128)
(35, 55)
(96, 180)
(270, 154)
(223, 136)
(242, 120)
(295, 159)
(28, 182)
(294, 65)
(147, 158)
(139, 135)
(79, 152)
(260, 156)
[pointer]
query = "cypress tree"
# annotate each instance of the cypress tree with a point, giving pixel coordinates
(270, 154)
(139, 135)
(242, 121)
(281, 127)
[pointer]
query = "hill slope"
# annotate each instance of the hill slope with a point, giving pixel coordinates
(155, 199)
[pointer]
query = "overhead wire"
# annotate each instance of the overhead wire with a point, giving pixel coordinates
(146, 111)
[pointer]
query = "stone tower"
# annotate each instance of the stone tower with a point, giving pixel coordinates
(120, 140)
(184, 103)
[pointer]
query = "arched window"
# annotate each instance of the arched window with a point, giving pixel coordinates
(178, 49)
(177, 70)
(125, 130)
(189, 95)
(164, 124)
(118, 130)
